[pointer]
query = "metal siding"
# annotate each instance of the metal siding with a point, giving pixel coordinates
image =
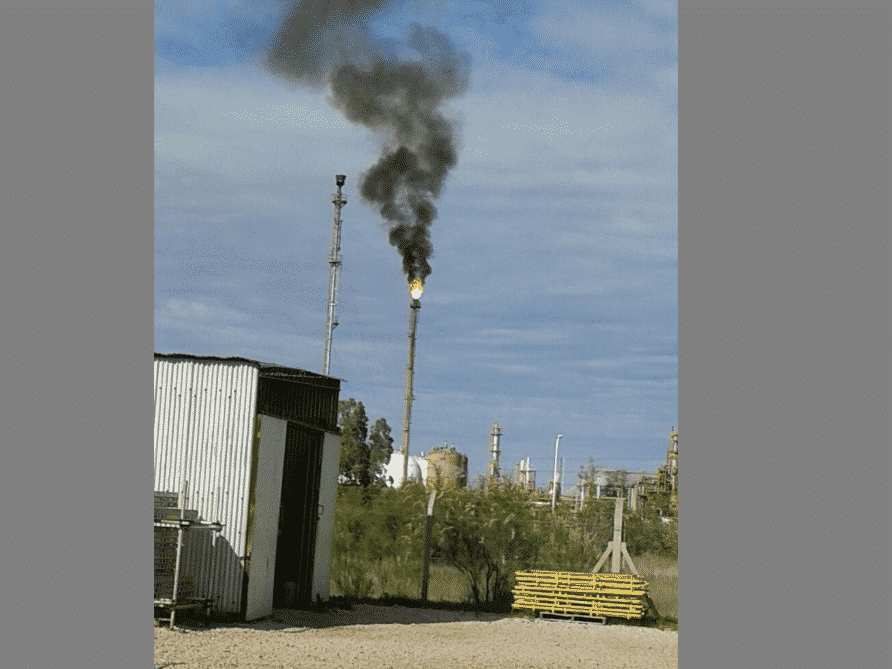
(204, 414)
(264, 534)
(328, 493)
(312, 405)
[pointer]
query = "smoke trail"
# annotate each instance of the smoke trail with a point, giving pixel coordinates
(323, 43)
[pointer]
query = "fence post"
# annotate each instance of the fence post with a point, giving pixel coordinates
(425, 571)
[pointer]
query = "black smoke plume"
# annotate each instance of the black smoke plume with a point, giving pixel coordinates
(323, 43)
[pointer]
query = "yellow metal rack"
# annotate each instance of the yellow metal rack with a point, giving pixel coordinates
(575, 593)
(589, 594)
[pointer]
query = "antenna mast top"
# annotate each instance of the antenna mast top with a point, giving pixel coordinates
(334, 266)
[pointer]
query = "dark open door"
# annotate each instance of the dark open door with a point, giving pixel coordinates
(298, 517)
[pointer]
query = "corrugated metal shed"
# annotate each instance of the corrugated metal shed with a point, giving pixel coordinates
(204, 416)
(209, 434)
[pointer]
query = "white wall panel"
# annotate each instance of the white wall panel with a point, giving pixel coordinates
(264, 530)
(328, 493)
(204, 416)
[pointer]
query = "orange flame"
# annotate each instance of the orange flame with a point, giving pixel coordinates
(415, 288)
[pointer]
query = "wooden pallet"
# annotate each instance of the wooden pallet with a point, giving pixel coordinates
(546, 616)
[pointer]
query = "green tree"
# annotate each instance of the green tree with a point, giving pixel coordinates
(487, 535)
(380, 449)
(355, 454)
(364, 451)
(378, 540)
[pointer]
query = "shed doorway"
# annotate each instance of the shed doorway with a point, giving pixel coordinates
(298, 517)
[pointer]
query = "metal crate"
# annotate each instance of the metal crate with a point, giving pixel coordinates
(173, 589)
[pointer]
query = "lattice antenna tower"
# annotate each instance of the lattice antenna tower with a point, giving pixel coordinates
(334, 270)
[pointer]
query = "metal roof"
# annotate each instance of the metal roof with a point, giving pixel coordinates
(268, 370)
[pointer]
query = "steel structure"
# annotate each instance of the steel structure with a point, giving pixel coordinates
(524, 475)
(495, 437)
(414, 306)
(554, 483)
(172, 520)
(672, 459)
(334, 268)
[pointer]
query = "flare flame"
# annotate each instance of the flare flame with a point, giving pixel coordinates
(416, 288)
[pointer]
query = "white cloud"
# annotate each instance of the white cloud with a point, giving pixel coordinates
(637, 361)
(289, 116)
(502, 336)
(512, 369)
(531, 130)
(619, 176)
(568, 24)
(178, 18)
(643, 243)
(667, 8)
(200, 310)
(667, 78)
(631, 224)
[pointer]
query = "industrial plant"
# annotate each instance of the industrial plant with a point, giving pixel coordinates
(451, 468)
(636, 486)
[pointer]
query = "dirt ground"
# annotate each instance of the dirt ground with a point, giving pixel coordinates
(383, 637)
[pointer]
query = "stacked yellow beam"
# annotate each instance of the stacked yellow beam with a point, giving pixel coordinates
(580, 593)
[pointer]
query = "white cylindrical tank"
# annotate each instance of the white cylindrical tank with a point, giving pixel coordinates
(416, 469)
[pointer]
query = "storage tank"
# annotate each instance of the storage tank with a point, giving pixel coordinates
(416, 469)
(446, 467)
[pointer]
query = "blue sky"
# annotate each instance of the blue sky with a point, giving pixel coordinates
(552, 302)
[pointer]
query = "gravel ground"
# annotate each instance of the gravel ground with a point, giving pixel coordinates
(379, 637)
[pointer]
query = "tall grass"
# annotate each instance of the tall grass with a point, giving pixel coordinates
(447, 584)
(378, 543)
(363, 578)
(662, 576)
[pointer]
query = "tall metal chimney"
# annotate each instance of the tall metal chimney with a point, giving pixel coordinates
(334, 266)
(561, 479)
(495, 435)
(530, 475)
(414, 306)
(554, 476)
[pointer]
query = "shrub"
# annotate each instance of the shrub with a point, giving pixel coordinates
(484, 535)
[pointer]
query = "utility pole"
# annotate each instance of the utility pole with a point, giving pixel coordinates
(334, 266)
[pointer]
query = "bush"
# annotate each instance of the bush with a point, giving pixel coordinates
(487, 536)
(484, 535)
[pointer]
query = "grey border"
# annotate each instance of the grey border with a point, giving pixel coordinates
(77, 334)
(783, 386)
